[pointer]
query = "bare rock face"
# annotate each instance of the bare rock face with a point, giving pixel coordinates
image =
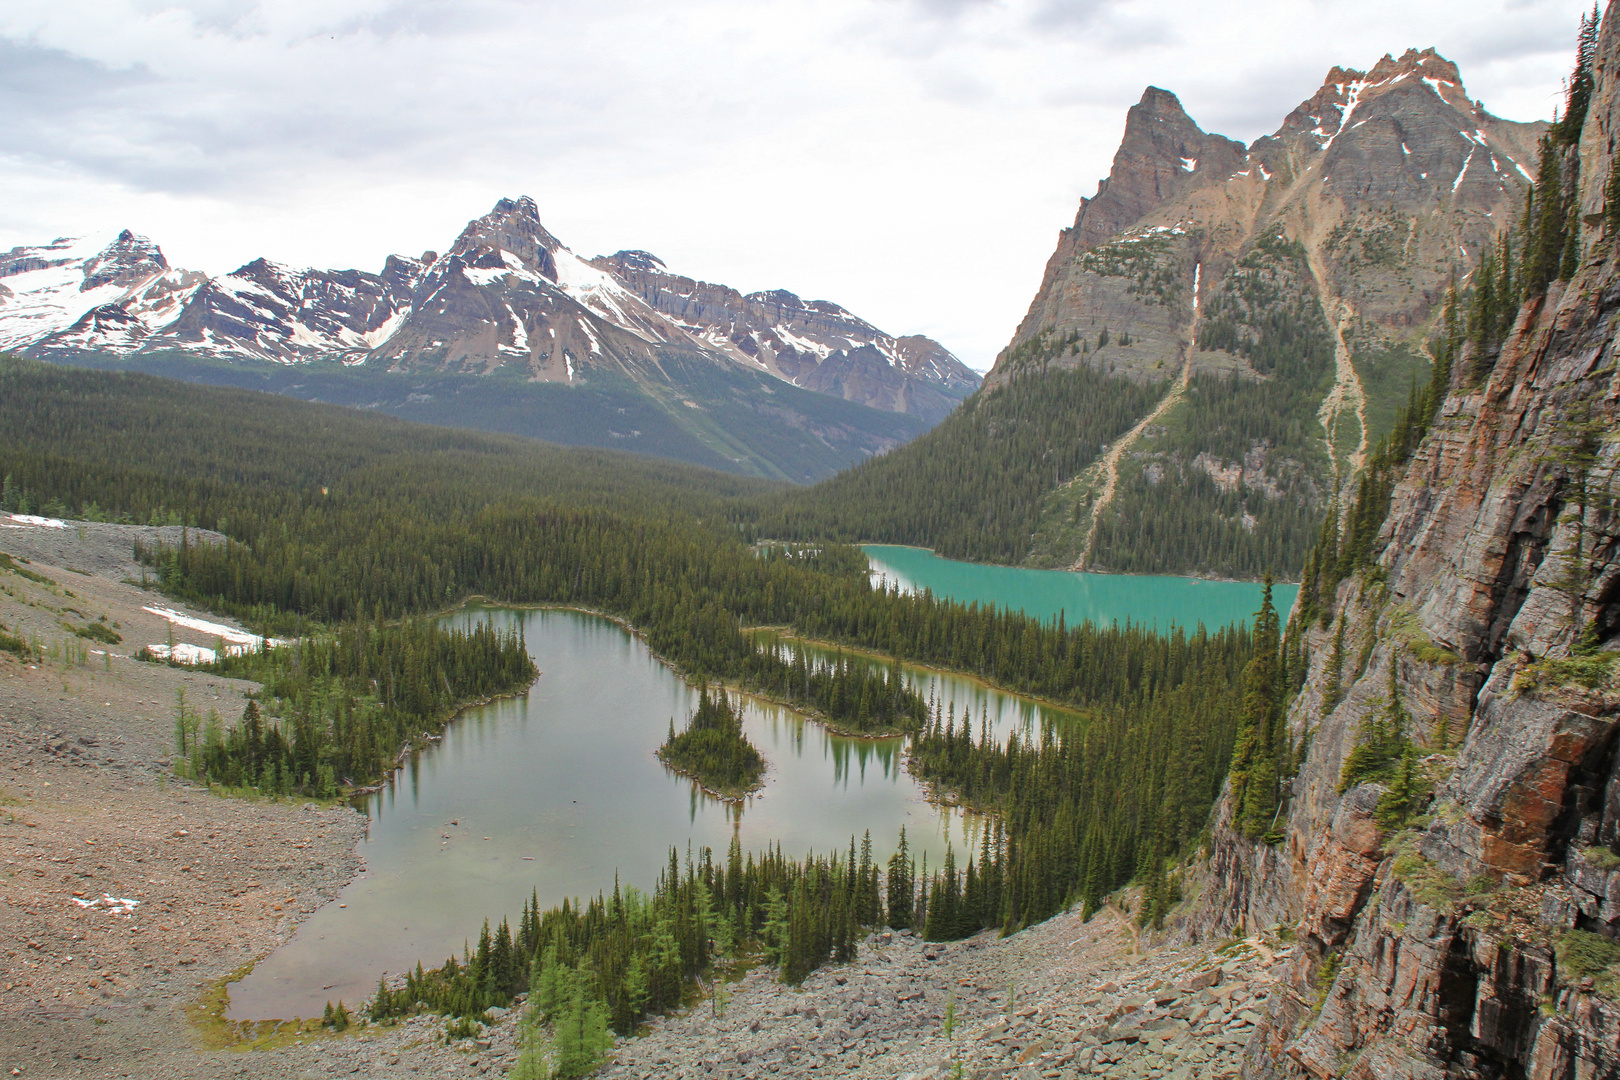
(128, 260)
(1121, 236)
(1452, 946)
(1163, 155)
(272, 312)
(815, 344)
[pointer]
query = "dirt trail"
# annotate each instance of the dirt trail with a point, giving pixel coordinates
(1347, 390)
(1109, 465)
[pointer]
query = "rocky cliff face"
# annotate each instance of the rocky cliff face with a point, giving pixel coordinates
(1280, 293)
(1477, 939)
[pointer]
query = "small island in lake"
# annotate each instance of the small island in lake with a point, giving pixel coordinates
(713, 750)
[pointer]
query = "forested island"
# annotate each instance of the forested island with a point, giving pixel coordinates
(713, 750)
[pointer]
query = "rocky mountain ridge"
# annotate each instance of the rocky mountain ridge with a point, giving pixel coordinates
(1247, 322)
(815, 344)
(1477, 937)
(508, 331)
(506, 291)
(1281, 293)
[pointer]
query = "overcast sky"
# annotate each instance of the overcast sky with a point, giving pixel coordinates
(912, 160)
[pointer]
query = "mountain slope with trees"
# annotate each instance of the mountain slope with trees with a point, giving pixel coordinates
(1270, 307)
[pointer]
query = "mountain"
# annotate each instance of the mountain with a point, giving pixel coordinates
(1273, 300)
(814, 344)
(94, 292)
(1444, 840)
(578, 351)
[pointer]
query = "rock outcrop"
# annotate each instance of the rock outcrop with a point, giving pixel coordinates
(1477, 939)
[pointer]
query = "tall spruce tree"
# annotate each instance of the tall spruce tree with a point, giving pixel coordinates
(1255, 774)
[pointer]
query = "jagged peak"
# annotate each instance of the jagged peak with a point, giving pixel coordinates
(1327, 112)
(513, 225)
(128, 259)
(522, 206)
(632, 259)
(1429, 63)
(779, 297)
(1160, 103)
(268, 274)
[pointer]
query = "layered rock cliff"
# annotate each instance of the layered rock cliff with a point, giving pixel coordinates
(1478, 935)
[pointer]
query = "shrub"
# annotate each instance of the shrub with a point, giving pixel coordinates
(1583, 954)
(1589, 670)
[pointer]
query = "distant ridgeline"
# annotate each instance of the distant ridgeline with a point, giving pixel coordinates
(352, 527)
(1220, 340)
(507, 331)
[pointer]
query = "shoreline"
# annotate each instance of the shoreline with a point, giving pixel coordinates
(864, 544)
(715, 793)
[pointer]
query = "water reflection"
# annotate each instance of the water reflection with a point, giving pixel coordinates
(559, 790)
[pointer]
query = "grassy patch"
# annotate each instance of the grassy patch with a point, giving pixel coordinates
(1428, 884)
(15, 645)
(217, 1032)
(1589, 671)
(1583, 954)
(8, 563)
(98, 631)
(1602, 858)
(1404, 626)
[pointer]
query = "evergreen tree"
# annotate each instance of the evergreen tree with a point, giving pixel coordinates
(1254, 773)
(1381, 740)
(901, 890)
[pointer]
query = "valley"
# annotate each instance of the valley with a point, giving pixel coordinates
(334, 743)
(509, 331)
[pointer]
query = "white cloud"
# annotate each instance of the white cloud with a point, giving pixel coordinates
(910, 159)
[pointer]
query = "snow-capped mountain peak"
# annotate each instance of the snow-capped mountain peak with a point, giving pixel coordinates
(50, 289)
(507, 291)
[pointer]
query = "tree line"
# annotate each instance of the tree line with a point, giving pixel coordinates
(338, 708)
(361, 538)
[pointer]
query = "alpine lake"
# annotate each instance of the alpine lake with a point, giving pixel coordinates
(558, 793)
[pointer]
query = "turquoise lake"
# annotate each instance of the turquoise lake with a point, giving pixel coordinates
(1157, 602)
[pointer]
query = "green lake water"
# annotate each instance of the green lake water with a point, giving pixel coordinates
(1157, 602)
(558, 790)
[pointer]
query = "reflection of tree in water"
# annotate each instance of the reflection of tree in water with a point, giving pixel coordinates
(847, 752)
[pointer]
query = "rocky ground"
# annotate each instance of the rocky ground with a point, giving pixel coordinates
(1062, 999)
(128, 899)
